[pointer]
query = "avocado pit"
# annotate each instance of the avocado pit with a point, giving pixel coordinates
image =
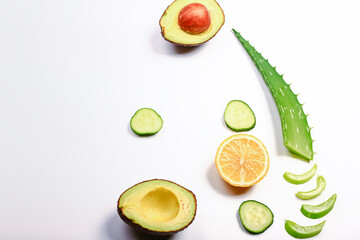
(191, 23)
(194, 18)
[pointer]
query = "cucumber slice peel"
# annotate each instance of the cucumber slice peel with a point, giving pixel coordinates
(239, 117)
(255, 216)
(146, 122)
(320, 186)
(302, 178)
(318, 211)
(298, 231)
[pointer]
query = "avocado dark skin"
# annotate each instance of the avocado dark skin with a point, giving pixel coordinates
(144, 230)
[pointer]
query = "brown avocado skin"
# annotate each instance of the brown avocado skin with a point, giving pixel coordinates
(140, 228)
(188, 45)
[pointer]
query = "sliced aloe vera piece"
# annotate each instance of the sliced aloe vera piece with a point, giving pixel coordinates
(318, 211)
(301, 178)
(320, 186)
(298, 231)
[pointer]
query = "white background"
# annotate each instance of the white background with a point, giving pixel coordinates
(72, 73)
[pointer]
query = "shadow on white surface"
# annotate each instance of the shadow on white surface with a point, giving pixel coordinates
(220, 185)
(131, 131)
(116, 229)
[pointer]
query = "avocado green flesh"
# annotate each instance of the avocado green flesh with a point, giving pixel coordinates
(158, 206)
(172, 31)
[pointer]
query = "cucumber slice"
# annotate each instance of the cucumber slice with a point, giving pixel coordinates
(255, 216)
(146, 122)
(239, 117)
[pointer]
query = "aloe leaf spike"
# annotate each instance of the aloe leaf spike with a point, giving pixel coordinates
(295, 128)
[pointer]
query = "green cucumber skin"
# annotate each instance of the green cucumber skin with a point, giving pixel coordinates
(241, 129)
(302, 178)
(320, 187)
(302, 232)
(318, 211)
(264, 229)
(145, 134)
(295, 128)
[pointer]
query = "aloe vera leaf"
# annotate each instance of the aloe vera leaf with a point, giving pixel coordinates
(295, 128)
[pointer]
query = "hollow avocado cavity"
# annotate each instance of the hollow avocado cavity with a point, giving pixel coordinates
(160, 205)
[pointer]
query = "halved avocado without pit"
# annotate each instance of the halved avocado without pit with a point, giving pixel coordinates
(191, 22)
(157, 206)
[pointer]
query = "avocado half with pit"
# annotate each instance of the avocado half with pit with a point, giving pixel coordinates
(191, 22)
(157, 206)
